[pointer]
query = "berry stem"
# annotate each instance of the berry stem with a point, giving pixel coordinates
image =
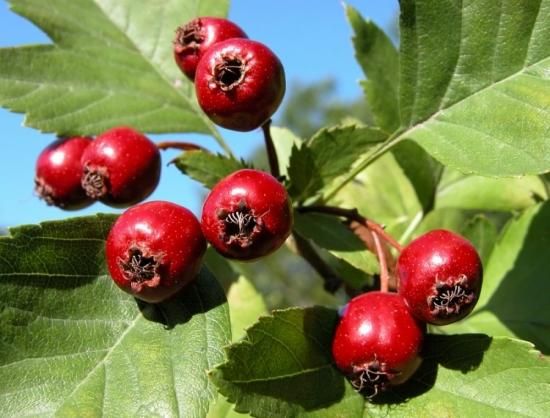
(184, 146)
(354, 215)
(270, 148)
(308, 252)
(384, 275)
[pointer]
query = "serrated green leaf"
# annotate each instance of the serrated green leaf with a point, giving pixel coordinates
(457, 190)
(330, 233)
(73, 344)
(207, 168)
(513, 299)
(379, 60)
(472, 376)
(284, 368)
(111, 64)
(327, 155)
(477, 97)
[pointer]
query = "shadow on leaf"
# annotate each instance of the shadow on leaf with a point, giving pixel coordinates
(198, 297)
(463, 353)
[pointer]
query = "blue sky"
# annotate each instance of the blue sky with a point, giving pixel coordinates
(312, 39)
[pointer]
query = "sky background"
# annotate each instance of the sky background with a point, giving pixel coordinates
(312, 39)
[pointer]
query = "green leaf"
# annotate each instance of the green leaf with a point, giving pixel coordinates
(514, 298)
(383, 193)
(477, 97)
(284, 141)
(245, 306)
(284, 368)
(111, 64)
(207, 168)
(330, 233)
(379, 60)
(472, 375)
(73, 344)
(327, 155)
(482, 233)
(457, 190)
(422, 171)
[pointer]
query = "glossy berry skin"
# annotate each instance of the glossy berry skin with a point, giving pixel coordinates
(247, 215)
(377, 342)
(440, 276)
(239, 84)
(58, 171)
(195, 37)
(121, 167)
(154, 249)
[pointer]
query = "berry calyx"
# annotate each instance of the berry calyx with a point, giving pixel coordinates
(239, 84)
(377, 342)
(440, 276)
(58, 171)
(155, 249)
(247, 215)
(121, 167)
(195, 37)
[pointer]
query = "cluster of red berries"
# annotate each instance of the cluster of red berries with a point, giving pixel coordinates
(379, 337)
(120, 167)
(239, 83)
(154, 249)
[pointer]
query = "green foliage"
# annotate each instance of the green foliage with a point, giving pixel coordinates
(327, 155)
(207, 168)
(73, 344)
(65, 88)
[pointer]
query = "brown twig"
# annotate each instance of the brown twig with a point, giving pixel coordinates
(270, 148)
(329, 276)
(183, 146)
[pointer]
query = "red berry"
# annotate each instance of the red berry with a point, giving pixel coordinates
(121, 167)
(440, 275)
(247, 215)
(377, 342)
(58, 172)
(240, 84)
(195, 37)
(154, 249)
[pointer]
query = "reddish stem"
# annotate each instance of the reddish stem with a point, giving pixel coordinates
(384, 275)
(354, 215)
(184, 146)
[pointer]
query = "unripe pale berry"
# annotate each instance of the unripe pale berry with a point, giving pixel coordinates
(154, 249)
(121, 167)
(239, 84)
(247, 215)
(58, 171)
(195, 37)
(440, 276)
(377, 342)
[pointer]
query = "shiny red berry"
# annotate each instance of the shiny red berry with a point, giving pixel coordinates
(121, 167)
(247, 215)
(195, 37)
(440, 275)
(377, 342)
(58, 171)
(239, 84)
(154, 249)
